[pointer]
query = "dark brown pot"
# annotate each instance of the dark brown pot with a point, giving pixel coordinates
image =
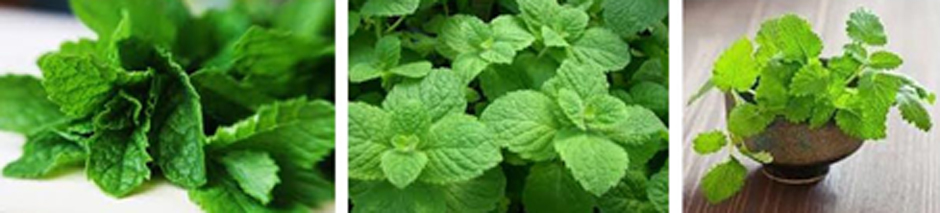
(801, 155)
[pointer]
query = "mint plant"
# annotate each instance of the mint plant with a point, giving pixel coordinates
(785, 78)
(508, 106)
(225, 105)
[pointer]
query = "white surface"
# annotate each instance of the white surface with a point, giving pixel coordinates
(24, 36)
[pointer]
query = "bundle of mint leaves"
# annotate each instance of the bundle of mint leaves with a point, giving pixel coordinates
(231, 105)
(508, 106)
(785, 77)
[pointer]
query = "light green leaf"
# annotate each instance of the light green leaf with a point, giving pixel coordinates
(44, 153)
(600, 48)
(158, 21)
(747, 120)
(913, 109)
(865, 27)
(224, 195)
(387, 52)
(572, 106)
(23, 105)
(597, 163)
(736, 68)
(551, 188)
(441, 92)
(410, 119)
(413, 70)
(117, 160)
(403, 168)
(255, 172)
(525, 122)
(382, 196)
(585, 81)
(298, 132)
(724, 180)
(622, 124)
(509, 30)
(382, 8)
(812, 79)
(709, 142)
(790, 36)
(627, 17)
(650, 95)
(884, 60)
(459, 148)
(363, 72)
(369, 137)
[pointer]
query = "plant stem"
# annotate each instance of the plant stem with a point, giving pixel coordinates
(395, 25)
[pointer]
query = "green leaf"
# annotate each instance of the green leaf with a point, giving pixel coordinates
(226, 99)
(650, 95)
(790, 36)
(362, 72)
(812, 79)
(884, 60)
(572, 106)
(368, 138)
(525, 122)
(157, 21)
(306, 18)
(481, 194)
(298, 132)
(23, 105)
(117, 160)
(382, 196)
(621, 123)
(403, 168)
(865, 27)
(709, 142)
(306, 186)
(724, 180)
(441, 92)
(410, 119)
(630, 195)
(224, 195)
(657, 189)
(177, 131)
(600, 48)
(736, 68)
(582, 80)
(596, 162)
(413, 70)
(387, 52)
(45, 152)
(550, 188)
(747, 120)
(913, 109)
(629, 17)
(459, 148)
(509, 30)
(384, 8)
(79, 85)
(528, 71)
(254, 171)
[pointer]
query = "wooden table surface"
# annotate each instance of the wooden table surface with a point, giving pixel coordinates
(897, 174)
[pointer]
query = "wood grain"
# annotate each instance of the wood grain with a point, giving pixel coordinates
(897, 174)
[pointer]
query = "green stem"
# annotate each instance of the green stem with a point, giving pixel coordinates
(395, 25)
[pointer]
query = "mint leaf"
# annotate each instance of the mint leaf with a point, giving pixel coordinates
(524, 121)
(455, 139)
(79, 85)
(597, 163)
(224, 195)
(255, 172)
(155, 20)
(709, 142)
(368, 139)
(177, 131)
(865, 27)
(117, 160)
(811, 79)
(790, 36)
(724, 180)
(23, 106)
(630, 195)
(441, 92)
(402, 168)
(389, 7)
(44, 153)
(297, 131)
(913, 109)
(884, 60)
(736, 68)
(600, 48)
(629, 17)
(621, 123)
(550, 188)
(747, 120)
(481, 194)
(657, 189)
(382, 196)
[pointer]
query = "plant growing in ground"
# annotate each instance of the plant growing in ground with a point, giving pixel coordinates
(219, 104)
(571, 99)
(786, 77)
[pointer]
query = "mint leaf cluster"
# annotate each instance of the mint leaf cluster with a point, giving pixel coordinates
(783, 78)
(227, 104)
(508, 106)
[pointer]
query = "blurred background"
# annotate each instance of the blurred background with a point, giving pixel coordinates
(896, 174)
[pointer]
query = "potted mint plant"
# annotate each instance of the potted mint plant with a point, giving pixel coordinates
(796, 112)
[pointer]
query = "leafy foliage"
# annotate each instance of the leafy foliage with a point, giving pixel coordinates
(785, 80)
(219, 104)
(508, 106)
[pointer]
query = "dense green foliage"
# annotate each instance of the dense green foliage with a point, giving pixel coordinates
(508, 105)
(221, 104)
(786, 79)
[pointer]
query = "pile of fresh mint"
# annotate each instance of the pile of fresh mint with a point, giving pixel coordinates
(227, 104)
(786, 78)
(508, 106)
